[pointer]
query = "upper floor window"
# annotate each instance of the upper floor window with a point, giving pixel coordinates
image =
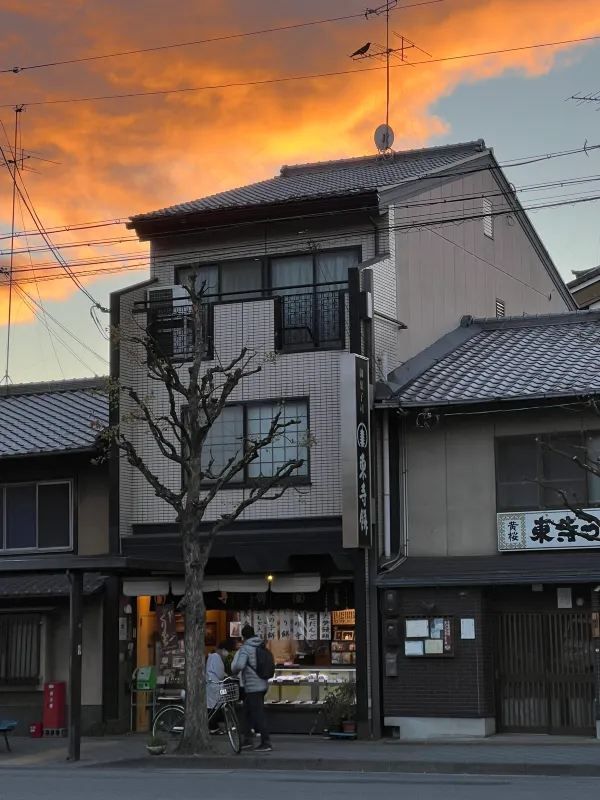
(533, 471)
(488, 217)
(36, 516)
(238, 424)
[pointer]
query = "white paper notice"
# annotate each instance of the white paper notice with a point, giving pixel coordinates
(299, 625)
(467, 628)
(564, 598)
(246, 618)
(271, 625)
(260, 623)
(325, 626)
(417, 628)
(312, 626)
(285, 625)
(413, 648)
(434, 647)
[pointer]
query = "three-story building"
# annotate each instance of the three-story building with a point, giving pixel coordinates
(331, 273)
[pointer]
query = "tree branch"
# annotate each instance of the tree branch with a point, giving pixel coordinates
(174, 499)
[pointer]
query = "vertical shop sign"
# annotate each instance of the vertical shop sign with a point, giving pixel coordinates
(285, 625)
(447, 635)
(168, 631)
(299, 626)
(325, 626)
(355, 415)
(312, 626)
(271, 625)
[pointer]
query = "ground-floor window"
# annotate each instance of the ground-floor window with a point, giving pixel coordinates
(20, 649)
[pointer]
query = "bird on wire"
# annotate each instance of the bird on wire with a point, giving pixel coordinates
(361, 50)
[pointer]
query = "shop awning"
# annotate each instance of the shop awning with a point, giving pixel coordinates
(503, 568)
(140, 587)
(288, 584)
(227, 583)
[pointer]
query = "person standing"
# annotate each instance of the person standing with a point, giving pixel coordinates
(245, 664)
(215, 672)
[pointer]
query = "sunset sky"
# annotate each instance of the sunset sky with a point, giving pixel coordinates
(122, 156)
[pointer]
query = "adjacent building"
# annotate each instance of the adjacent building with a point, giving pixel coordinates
(490, 620)
(585, 288)
(53, 513)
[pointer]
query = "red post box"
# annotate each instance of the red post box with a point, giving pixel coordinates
(54, 706)
(36, 730)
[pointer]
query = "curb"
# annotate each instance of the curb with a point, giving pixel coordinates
(269, 763)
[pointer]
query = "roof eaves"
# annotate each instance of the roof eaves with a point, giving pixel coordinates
(406, 373)
(583, 278)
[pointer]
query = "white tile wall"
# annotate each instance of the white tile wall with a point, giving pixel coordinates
(314, 375)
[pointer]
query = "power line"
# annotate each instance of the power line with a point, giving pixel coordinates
(509, 164)
(418, 223)
(408, 205)
(309, 76)
(223, 38)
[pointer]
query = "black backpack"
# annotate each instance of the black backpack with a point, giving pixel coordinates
(265, 663)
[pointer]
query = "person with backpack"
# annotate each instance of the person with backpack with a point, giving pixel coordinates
(255, 665)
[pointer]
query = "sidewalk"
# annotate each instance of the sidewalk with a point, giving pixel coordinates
(506, 755)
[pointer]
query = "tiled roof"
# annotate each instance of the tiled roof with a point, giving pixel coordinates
(331, 178)
(51, 417)
(583, 276)
(45, 585)
(514, 358)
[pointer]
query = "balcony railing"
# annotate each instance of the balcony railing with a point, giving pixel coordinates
(306, 317)
(311, 320)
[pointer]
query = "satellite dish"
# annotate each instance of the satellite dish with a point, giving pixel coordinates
(384, 138)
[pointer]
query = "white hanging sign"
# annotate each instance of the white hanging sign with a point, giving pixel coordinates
(271, 625)
(325, 626)
(299, 625)
(260, 623)
(285, 625)
(312, 626)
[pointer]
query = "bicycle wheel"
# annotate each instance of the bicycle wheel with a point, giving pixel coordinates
(169, 722)
(233, 728)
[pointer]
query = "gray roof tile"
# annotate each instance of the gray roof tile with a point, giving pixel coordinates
(513, 358)
(52, 417)
(32, 585)
(331, 178)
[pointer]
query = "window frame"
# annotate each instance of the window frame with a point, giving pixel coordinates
(540, 480)
(31, 683)
(246, 482)
(266, 292)
(4, 550)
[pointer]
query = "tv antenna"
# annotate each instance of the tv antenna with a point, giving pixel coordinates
(384, 135)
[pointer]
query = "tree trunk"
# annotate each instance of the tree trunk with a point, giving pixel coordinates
(196, 738)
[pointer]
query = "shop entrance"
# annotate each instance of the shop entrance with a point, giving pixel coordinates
(544, 672)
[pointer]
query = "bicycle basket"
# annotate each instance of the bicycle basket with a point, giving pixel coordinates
(229, 691)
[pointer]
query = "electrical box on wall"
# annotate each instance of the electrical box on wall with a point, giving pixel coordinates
(391, 631)
(391, 664)
(391, 602)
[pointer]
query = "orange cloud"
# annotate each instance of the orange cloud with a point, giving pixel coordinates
(127, 156)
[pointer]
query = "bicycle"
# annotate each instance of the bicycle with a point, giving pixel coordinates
(170, 720)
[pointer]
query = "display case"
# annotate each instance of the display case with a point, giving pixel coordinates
(305, 687)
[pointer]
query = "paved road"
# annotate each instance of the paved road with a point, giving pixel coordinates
(69, 783)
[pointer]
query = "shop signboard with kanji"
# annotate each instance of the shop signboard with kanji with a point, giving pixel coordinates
(548, 530)
(356, 446)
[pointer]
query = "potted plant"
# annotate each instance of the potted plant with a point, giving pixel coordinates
(156, 745)
(339, 709)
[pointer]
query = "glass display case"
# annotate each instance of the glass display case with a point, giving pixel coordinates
(305, 686)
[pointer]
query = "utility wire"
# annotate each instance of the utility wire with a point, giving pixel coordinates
(223, 38)
(428, 205)
(509, 164)
(421, 223)
(308, 76)
(41, 305)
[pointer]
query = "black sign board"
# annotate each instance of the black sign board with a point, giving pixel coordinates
(363, 446)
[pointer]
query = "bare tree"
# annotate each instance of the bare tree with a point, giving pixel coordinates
(195, 401)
